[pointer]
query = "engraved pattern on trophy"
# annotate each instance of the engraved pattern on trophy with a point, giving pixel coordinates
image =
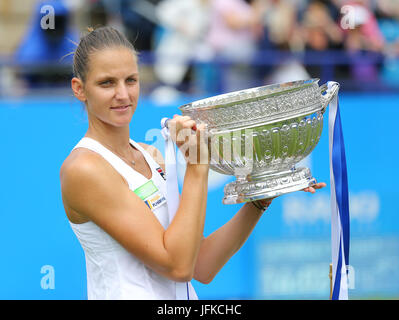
(259, 134)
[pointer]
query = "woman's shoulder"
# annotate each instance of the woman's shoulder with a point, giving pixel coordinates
(83, 176)
(84, 164)
(80, 159)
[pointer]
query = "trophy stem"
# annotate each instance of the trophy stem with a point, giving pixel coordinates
(266, 186)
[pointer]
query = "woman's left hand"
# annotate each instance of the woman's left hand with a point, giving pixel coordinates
(266, 202)
(316, 186)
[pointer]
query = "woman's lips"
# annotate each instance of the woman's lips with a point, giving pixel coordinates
(121, 108)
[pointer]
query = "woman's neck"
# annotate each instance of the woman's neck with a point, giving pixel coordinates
(112, 137)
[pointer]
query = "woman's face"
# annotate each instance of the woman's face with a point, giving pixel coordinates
(111, 89)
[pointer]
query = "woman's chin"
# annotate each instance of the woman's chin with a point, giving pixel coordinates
(121, 121)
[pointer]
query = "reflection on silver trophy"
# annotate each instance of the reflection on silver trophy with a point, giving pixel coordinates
(259, 134)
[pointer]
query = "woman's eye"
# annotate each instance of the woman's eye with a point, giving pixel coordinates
(106, 83)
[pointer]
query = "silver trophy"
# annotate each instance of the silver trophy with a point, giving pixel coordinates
(259, 134)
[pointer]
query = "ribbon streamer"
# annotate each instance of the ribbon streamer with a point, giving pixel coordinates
(172, 194)
(340, 229)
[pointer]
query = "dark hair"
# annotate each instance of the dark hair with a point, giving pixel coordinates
(95, 40)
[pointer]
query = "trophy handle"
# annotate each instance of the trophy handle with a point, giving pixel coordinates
(327, 94)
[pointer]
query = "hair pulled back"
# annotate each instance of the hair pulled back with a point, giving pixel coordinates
(96, 40)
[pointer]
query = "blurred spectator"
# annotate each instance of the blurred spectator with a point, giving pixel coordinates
(97, 13)
(363, 36)
(233, 33)
(43, 48)
(42, 56)
(364, 33)
(184, 24)
(389, 8)
(320, 31)
(279, 23)
(233, 22)
(140, 22)
(388, 12)
(135, 18)
(113, 9)
(47, 45)
(281, 31)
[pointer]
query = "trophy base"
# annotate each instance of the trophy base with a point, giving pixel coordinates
(267, 186)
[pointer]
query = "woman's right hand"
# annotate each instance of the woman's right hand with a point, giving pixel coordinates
(190, 138)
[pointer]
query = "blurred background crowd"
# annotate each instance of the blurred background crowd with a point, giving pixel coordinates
(208, 46)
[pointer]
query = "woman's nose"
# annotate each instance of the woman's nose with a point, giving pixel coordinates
(121, 92)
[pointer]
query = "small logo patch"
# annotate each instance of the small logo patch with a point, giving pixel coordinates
(155, 201)
(160, 171)
(151, 195)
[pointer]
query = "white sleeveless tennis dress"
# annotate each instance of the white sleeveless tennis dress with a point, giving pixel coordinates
(113, 272)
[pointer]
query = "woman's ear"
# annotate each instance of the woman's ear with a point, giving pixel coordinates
(78, 89)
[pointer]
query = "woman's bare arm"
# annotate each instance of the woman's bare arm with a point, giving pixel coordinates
(91, 187)
(221, 245)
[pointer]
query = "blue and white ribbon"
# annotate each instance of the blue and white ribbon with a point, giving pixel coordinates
(172, 195)
(339, 202)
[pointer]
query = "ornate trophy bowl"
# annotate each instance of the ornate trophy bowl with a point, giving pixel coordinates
(259, 134)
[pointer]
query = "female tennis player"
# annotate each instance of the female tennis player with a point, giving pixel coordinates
(113, 189)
